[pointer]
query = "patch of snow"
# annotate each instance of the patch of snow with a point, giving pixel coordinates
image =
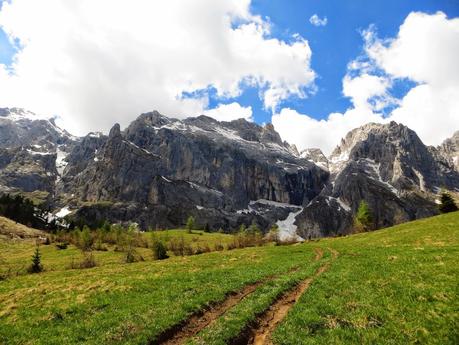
(63, 212)
(95, 134)
(345, 206)
(287, 227)
(140, 148)
(272, 203)
(375, 169)
(165, 179)
(203, 188)
(60, 161)
(422, 184)
(229, 134)
(35, 153)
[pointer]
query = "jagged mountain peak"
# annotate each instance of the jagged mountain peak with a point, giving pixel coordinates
(17, 114)
(115, 131)
(316, 156)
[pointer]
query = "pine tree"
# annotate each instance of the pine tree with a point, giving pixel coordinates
(190, 224)
(364, 217)
(447, 203)
(36, 266)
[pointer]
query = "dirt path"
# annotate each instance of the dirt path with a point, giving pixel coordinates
(267, 322)
(193, 325)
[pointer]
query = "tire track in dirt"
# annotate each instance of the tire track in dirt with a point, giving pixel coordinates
(270, 319)
(193, 325)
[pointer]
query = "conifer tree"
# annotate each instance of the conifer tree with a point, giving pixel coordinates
(364, 218)
(36, 266)
(447, 203)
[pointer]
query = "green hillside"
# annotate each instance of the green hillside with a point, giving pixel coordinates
(393, 286)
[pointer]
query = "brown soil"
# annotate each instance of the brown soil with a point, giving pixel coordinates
(193, 325)
(268, 321)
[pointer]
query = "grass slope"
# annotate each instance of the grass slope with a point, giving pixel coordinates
(394, 286)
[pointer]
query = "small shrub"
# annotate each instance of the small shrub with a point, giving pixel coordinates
(231, 246)
(218, 247)
(188, 249)
(159, 250)
(132, 256)
(36, 266)
(85, 240)
(99, 246)
(177, 245)
(201, 249)
(87, 262)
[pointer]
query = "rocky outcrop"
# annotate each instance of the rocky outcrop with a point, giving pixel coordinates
(449, 149)
(390, 168)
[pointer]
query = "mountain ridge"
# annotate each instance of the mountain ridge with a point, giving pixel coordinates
(159, 170)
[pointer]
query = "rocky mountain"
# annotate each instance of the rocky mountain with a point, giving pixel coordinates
(160, 170)
(389, 167)
(32, 151)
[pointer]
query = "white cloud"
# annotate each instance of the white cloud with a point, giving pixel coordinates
(425, 51)
(95, 62)
(306, 132)
(317, 21)
(231, 111)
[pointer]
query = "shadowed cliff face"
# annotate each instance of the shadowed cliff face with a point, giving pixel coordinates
(159, 171)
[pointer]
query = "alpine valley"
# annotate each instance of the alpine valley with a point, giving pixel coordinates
(159, 170)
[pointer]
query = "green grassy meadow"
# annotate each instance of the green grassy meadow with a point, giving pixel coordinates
(393, 286)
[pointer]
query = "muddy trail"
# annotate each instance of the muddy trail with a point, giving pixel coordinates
(260, 333)
(197, 322)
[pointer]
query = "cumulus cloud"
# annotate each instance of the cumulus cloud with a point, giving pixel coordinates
(317, 21)
(229, 112)
(425, 51)
(94, 62)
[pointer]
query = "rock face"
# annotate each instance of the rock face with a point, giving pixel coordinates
(159, 171)
(32, 151)
(449, 149)
(390, 168)
(196, 166)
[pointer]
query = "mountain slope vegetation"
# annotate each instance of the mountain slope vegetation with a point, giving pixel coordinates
(397, 286)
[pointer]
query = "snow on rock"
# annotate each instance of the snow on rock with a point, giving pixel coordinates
(375, 171)
(63, 212)
(165, 179)
(271, 203)
(287, 227)
(61, 163)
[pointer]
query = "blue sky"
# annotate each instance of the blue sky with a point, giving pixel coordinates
(97, 62)
(335, 44)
